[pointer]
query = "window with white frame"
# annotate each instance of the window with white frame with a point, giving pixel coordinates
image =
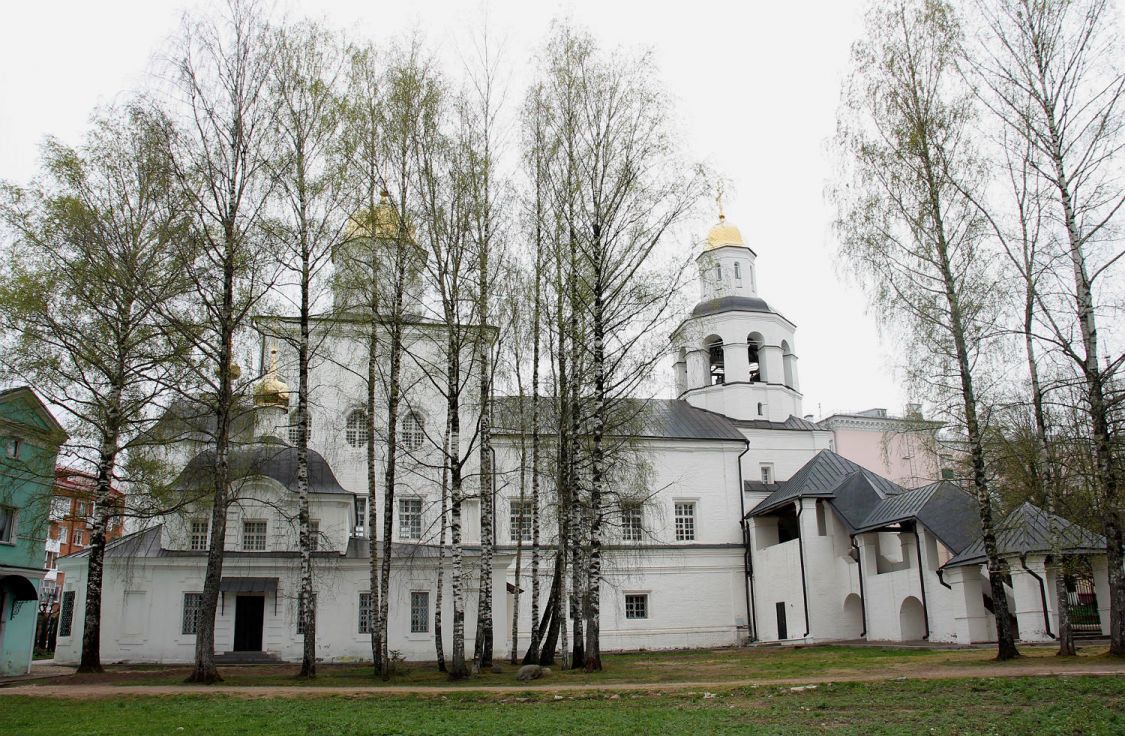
(254, 536)
(365, 613)
(193, 606)
(77, 537)
(301, 611)
(767, 472)
(314, 534)
(12, 448)
(685, 521)
(7, 524)
(413, 432)
(519, 520)
(410, 518)
(355, 428)
(360, 515)
(738, 271)
(295, 428)
(636, 605)
(419, 612)
(199, 528)
(632, 522)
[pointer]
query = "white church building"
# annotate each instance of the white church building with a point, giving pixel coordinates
(750, 527)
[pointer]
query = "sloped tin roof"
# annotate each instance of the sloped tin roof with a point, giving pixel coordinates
(645, 418)
(1027, 530)
(947, 511)
(273, 459)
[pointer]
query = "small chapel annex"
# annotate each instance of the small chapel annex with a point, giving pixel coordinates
(751, 528)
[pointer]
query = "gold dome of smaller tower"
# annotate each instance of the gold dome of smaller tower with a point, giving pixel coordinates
(271, 390)
(380, 222)
(723, 234)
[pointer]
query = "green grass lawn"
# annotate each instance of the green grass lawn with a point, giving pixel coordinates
(765, 663)
(1066, 705)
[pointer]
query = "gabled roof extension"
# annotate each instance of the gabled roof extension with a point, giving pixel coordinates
(272, 459)
(1027, 530)
(855, 489)
(947, 511)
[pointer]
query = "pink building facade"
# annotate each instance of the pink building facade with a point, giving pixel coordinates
(904, 449)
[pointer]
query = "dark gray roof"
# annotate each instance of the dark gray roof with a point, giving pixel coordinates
(855, 489)
(944, 508)
(1027, 531)
(649, 418)
(272, 459)
(145, 543)
(730, 304)
(793, 423)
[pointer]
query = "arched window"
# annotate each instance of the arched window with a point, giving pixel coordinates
(737, 271)
(787, 360)
(413, 432)
(753, 349)
(715, 356)
(355, 429)
(294, 430)
(760, 407)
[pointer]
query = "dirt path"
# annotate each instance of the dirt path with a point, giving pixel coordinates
(86, 691)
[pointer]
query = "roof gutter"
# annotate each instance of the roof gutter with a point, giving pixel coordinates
(747, 563)
(862, 595)
(922, 582)
(801, 553)
(1042, 596)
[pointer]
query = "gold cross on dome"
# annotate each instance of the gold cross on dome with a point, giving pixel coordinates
(719, 200)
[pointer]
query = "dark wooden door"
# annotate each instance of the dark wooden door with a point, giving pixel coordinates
(249, 612)
(782, 631)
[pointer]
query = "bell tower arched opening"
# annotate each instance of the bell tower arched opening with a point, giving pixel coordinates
(754, 343)
(714, 345)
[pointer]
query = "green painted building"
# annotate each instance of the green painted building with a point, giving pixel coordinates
(29, 445)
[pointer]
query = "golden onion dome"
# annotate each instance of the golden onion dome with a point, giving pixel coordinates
(380, 222)
(271, 390)
(723, 234)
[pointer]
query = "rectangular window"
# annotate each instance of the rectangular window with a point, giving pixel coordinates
(419, 612)
(636, 605)
(520, 520)
(685, 521)
(254, 536)
(80, 510)
(193, 605)
(7, 524)
(76, 537)
(13, 448)
(314, 534)
(52, 560)
(360, 515)
(301, 612)
(767, 473)
(199, 529)
(365, 613)
(66, 614)
(632, 523)
(738, 270)
(410, 518)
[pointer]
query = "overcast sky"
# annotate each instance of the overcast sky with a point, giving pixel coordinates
(756, 86)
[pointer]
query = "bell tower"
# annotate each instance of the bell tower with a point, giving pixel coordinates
(735, 355)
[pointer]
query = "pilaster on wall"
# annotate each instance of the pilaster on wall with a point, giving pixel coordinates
(970, 618)
(1028, 598)
(698, 369)
(736, 362)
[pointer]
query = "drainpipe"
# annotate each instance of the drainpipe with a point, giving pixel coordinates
(922, 582)
(747, 564)
(801, 553)
(941, 578)
(862, 595)
(1042, 595)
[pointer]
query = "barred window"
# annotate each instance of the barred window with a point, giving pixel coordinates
(410, 518)
(301, 612)
(419, 612)
(314, 534)
(520, 520)
(199, 529)
(632, 523)
(295, 428)
(365, 613)
(254, 536)
(193, 605)
(685, 521)
(413, 431)
(66, 615)
(355, 429)
(636, 605)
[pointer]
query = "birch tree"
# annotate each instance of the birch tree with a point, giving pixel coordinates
(305, 91)
(908, 230)
(94, 253)
(1053, 72)
(221, 164)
